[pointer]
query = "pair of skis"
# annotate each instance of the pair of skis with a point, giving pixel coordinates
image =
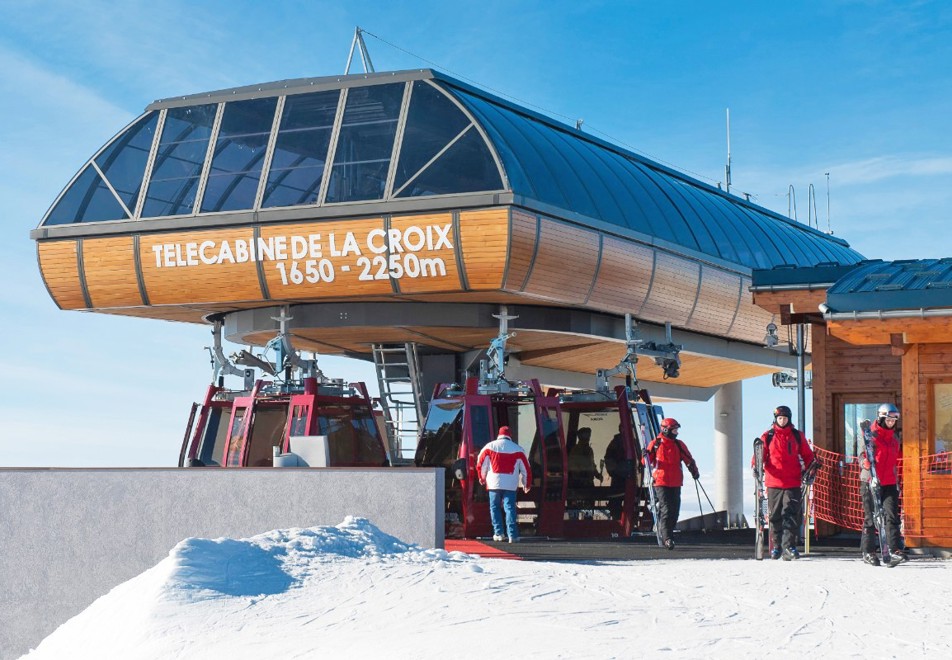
(760, 502)
(641, 420)
(876, 493)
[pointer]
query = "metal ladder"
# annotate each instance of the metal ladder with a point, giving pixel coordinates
(401, 396)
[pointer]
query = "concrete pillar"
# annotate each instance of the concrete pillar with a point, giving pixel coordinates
(729, 453)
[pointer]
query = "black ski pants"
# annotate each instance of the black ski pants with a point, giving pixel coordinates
(783, 506)
(870, 540)
(669, 508)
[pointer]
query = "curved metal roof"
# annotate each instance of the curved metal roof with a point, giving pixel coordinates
(384, 142)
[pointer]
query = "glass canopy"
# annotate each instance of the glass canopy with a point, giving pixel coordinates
(427, 135)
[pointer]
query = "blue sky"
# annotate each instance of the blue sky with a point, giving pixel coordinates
(857, 89)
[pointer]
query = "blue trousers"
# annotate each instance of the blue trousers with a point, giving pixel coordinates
(503, 501)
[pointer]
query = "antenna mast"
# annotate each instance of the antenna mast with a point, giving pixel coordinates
(829, 230)
(728, 168)
(358, 42)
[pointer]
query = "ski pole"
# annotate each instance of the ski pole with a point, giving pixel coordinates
(700, 508)
(713, 510)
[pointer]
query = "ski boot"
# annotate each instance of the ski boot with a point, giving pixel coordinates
(775, 553)
(871, 559)
(901, 556)
(669, 544)
(790, 554)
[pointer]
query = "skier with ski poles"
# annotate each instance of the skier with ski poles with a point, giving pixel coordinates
(786, 456)
(666, 454)
(879, 478)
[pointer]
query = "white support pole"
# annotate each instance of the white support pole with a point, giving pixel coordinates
(729, 453)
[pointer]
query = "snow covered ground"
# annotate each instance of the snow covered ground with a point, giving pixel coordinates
(353, 591)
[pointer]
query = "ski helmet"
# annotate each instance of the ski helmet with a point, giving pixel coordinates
(669, 427)
(782, 411)
(888, 411)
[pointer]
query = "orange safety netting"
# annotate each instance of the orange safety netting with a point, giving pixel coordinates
(835, 498)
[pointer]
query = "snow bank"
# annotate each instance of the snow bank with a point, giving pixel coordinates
(353, 591)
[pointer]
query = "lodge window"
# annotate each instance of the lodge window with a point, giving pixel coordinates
(850, 410)
(940, 417)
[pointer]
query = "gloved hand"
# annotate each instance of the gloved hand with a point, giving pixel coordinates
(694, 472)
(866, 464)
(865, 424)
(873, 482)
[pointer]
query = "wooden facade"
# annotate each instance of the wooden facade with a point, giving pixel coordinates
(882, 360)
(927, 490)
(500, 255)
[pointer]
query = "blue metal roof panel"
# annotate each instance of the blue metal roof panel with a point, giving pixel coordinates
(594, 178)
(885, 285)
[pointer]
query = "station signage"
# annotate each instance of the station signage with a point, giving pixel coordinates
(298, 258)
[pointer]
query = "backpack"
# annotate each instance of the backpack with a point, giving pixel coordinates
(770, 435)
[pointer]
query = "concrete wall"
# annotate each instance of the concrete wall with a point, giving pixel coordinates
(68, 536)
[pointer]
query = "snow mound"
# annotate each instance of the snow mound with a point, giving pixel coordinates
(279, 560)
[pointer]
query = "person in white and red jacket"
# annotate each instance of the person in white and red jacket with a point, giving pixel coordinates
(501, 465)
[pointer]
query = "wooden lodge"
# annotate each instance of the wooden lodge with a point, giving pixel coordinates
(882, 333)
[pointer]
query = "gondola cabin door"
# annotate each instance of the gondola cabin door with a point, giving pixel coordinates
(601, 468)
(207, 434)
(548, 461)
(478, 431)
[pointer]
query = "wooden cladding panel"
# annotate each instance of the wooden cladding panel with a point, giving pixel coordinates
(912, 330)
(751, 322)
(802, 302)
(164, 313)
(716, 302)
(110, 270)
(522, 243)
(565, 263)
(484, 241)
(422, 268)
(623, 276)
(860, 368)
(673, 290)
(59, 266)
(696, 370)
(168, 282)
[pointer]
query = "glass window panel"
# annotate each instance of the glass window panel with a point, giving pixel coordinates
(300, 151)
(467, 166)
(123, 162)
(433, 120)
(178, 163)
(365, 143)
(511, 127)
(516, 175)
(942, 417)
(239, 155)
(87, 200)
(853, 415)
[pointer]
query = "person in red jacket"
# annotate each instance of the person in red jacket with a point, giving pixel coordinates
(666, 454)
(787, 455)
(886, 450)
